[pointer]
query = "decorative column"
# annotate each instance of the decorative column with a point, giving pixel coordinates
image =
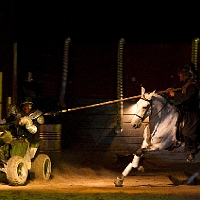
(119, 127)
(64, 73)
(194, 56)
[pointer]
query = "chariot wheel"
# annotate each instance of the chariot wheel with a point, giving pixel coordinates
(17, 171)
(41, 167)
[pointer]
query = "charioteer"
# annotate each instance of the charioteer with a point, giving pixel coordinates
(17, 116)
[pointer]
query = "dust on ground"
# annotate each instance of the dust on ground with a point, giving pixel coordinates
(78, 176)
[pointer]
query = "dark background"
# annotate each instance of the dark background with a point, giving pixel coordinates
(158, 37)
(95, 28)
(98, 21)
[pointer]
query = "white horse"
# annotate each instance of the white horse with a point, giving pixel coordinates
(159, 133)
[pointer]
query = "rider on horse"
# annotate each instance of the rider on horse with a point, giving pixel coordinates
(188, 100)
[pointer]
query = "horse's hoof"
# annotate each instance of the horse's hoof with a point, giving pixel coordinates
(140, 169)
(190, 158)
(119, 182)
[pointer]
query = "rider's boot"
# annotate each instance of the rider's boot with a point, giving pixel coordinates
(192, 179)
(175, 181)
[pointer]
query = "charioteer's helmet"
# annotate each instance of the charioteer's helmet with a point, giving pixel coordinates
(26, 105)
(26, 100)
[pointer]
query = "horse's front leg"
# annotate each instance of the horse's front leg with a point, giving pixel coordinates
(134, 164)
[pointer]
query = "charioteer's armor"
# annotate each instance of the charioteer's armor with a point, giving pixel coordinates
(23, 122)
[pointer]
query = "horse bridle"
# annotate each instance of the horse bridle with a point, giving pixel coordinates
(147, 110)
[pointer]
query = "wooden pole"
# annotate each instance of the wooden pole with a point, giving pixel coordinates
(110, 102)
(8, 103)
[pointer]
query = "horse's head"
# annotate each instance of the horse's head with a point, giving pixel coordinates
(142, 108)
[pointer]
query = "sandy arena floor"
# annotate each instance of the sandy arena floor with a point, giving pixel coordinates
(72, 178)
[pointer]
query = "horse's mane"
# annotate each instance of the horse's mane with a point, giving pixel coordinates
(162, 108)
(161, 98)
(162, 103)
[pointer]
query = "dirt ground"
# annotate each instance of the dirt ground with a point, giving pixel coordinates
(76, 178)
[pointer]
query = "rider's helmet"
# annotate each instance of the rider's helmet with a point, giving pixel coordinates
(186, 70)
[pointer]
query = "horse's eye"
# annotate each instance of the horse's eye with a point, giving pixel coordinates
(145, 107)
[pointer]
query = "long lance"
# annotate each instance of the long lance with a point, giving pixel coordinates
(104, 103)
(173, 89)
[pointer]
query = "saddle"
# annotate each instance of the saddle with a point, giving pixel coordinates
(179, 136)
